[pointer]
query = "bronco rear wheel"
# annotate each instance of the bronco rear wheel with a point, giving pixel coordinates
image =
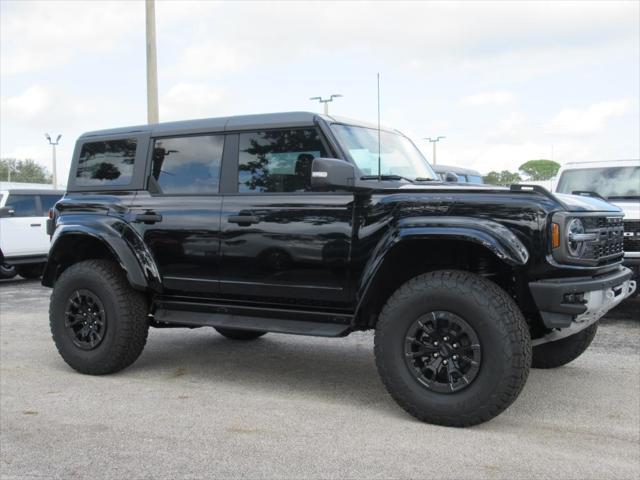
(452, 348)
(559, 353)
(98, 322)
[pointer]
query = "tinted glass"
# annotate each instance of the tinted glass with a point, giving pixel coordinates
(106, 163)
(278, 160)
(48, 201)
(474, 179)
(610, 182)
(188, 165)
(23, 205)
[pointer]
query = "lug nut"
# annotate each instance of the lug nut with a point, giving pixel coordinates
(435, 355)
(455, 357)
(445, 338)
(435, 344)
(455, 345)
(444, 362)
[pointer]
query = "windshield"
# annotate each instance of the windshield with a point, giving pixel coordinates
(610, 182)
(398, 155)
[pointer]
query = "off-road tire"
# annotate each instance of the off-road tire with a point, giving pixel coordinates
(126, 311)
(559, 353)
(502, 332)
(238, 334)
(30, 272)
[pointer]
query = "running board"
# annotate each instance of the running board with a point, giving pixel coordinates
(271, 323)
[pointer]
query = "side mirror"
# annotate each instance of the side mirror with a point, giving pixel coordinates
(7, 212)
(451, 177)
(332, 174)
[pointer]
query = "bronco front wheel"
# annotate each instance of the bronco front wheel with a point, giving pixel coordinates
(452, 348)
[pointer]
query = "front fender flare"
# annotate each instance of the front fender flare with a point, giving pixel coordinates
(497, 238)
(121, 240)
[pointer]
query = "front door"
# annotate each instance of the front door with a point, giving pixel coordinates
(179, 214)
(281, 242)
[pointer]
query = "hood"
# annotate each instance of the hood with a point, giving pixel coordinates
(579, 203)
(631, 208)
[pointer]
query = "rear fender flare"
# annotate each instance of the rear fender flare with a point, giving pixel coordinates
(121, 240)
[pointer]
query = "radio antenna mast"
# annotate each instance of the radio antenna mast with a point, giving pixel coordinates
(379, 160)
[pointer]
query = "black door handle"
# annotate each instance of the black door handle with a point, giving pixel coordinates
(243, 220)
(147, 218)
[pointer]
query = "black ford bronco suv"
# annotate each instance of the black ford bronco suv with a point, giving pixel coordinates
(314, 225)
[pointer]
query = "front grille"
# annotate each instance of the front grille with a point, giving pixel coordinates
(608, 247)
(632, 236)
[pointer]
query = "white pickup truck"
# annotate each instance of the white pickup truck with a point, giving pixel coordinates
(24, 243)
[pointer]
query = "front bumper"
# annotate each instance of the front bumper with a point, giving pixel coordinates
(565, 302)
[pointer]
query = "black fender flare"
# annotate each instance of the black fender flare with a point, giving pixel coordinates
(119, 238)
(497, 238)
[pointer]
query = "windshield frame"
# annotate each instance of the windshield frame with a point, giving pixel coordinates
(432, 175)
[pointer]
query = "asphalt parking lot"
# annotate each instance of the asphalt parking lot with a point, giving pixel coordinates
(198, 405)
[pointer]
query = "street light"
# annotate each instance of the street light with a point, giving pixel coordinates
(53, 146)
(326, 101)
(434, 141)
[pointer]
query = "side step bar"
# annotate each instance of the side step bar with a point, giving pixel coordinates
(296, 322)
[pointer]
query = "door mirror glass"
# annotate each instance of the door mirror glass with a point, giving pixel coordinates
(451, 177)
(332, 174)
(6, 212)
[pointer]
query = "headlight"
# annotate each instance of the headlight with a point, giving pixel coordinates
(576, 237)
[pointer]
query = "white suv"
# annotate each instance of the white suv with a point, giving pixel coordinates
(24, 243)
(619, 182)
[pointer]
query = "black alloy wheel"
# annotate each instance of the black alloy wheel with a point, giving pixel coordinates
(85, 319)
(442, 352)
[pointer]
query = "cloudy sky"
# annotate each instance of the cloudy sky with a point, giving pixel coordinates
(505, 82)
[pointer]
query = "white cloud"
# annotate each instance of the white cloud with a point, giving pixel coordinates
(40, 35)
(212, 58)
(578, 121)
(189, 100)
(27, 105)
(488, 98)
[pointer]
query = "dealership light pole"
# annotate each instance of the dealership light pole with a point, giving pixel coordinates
(434, 141)
(326, 101)
(152, 63)
(53, 146)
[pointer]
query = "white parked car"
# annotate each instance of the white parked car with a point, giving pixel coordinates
(24, 243)
(619, 182)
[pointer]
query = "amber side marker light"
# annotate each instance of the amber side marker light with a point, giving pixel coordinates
(555, 235)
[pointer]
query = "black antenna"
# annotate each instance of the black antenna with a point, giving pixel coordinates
(379, 161)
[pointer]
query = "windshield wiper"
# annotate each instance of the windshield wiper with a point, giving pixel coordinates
(386, 177)
(425, 179)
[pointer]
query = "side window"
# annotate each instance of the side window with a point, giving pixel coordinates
(188, 165)
(278, 160)
(48, 201)
(106, 163)
(23, 205)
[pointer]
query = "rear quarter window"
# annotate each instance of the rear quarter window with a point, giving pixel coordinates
(106, 163)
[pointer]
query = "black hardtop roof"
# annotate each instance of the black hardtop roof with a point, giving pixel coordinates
(222, 124)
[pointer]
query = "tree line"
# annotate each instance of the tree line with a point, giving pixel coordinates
(23, 171)
(533, 170)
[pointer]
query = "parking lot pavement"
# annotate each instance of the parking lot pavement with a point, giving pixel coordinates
(196, 405)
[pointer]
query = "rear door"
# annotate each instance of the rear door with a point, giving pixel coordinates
(281, 242)
(178, 214)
